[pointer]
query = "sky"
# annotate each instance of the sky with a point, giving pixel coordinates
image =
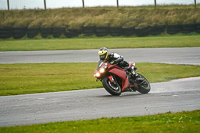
(39, 4)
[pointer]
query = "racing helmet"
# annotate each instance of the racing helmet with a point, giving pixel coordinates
(103, 53)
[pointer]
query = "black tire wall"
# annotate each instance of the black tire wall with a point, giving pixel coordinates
(73, 32)
(102, 31)
(32, 32)
(89, 30)
(198, 28)
(174, 29)
(128, 31)
(19, 32)
(188, 28)
(56, 32)
(144, 31)
(115, 31)
(46, 31)
(157, 30)
(5, 32)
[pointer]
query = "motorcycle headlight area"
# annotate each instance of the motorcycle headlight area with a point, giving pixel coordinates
(102, 70)
(97, 74)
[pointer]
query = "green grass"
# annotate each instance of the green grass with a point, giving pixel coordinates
(96, 43)
(182, 122)
(51, 77)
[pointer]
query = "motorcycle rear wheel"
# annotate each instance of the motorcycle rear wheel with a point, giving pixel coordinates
(113, 89)
(144, 85)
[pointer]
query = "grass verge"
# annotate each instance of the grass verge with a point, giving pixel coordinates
(182, 122)
(51, 77)
(96, 43)
(101, 16)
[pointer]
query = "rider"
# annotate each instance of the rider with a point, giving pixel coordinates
(115, 58)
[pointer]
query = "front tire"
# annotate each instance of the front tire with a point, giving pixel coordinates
(143, 84)
(113, 89)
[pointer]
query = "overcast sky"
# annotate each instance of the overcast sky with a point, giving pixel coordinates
(32, 4)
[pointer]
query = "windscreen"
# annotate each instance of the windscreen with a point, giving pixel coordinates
(100, 63)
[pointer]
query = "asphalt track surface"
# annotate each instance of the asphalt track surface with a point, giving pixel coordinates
(190, 56)
(174, 96)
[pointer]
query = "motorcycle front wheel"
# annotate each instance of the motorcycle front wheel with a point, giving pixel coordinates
(143, 84)
(113, 89)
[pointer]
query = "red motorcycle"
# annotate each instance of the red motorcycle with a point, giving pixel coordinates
(116, 80)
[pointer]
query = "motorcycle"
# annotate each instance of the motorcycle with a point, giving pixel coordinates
(116, 79)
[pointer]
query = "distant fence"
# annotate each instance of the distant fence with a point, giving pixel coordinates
(83, 3)
(64, 32)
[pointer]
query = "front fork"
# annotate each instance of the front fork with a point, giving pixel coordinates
(112, 79)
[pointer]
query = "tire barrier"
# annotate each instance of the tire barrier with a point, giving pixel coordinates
(5, 32)
(58, 31)
(32, 32)
(174, 29)
(46, 31)
(19, 32)
(157, 30)
(102, 31)
(128, 31)
(188, 28)
(73, 32)
(198, 28)
(115, 31)
(144, 31)
(89, 30)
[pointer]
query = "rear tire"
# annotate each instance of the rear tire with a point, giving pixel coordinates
(111, 88)
(144, 86)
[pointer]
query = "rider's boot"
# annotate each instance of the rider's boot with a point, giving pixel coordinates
(131, 72)
(131, 75)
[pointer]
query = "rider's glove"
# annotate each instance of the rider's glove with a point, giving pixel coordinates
(113, 62)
